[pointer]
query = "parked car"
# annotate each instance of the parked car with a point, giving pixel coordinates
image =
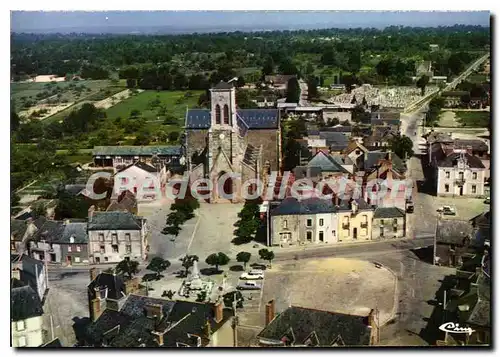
(230, 297)
(487, 201)
(447, 211)
(248, 285)
(253, 274)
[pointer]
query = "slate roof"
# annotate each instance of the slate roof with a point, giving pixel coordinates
(477, 145)
(115, 220)
(372, 158)
(300, 172)
(326, 163)
(182, 317)
(141, 165)
(77, 230)
(24, 303)
(18, 229)
(126, 202)
(136, 150)
(314, 205)
(384, 122)
(453, 231)
(24, 260)
(298, 324)
(451, 161)
(335, 140)
(224, 85)
(50, 231)
(249, 118)
(388, 212)
(114, 283)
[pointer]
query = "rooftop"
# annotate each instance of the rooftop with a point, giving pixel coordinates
(388, 212)
(251, 118)
(452, 161)
(453, 231)
(115, 220)
(24, 303)
(136, 150)
(303, 326)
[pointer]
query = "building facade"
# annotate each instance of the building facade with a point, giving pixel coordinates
(388, 223)
(114, 236)
(460, 174)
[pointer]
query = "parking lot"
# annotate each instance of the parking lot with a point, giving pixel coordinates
(332, 284)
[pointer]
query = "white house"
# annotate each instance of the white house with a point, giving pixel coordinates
(26, 316)
(145, 181)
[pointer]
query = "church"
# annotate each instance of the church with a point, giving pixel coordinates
(227, 140)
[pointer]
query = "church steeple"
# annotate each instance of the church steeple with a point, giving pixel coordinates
(223, 106)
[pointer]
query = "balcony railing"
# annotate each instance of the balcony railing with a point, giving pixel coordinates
(345, 225)
(460, 181)
(364, 225)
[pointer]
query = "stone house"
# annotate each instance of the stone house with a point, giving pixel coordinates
(114, 236)
(390, 120)
(355, 219)
(356, 152)
(328, 166)
(460, 174)
(304, 327)
(26, 311)
(61, 242)
(122, 318)
(20, 232)
(380, 137)
(388, 222)
(125, 202)
(145, 181)
(299, 222)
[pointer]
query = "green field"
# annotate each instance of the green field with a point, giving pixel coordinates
(175, 103)
(474, 119)
(477, 78)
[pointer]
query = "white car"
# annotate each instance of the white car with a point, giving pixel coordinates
(252, 275)
(447, 210)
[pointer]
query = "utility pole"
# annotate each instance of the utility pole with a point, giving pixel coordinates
(235, 322)
(444, 315)
(435, 239)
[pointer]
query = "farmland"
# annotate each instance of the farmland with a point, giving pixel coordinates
(476, 119)
(155, 106)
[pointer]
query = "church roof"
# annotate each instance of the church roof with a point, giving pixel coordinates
(252, 118)
(223, 85)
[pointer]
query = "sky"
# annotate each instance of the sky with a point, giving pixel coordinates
(191, 21)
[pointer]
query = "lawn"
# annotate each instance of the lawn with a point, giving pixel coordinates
(478, 119)
(175, 103)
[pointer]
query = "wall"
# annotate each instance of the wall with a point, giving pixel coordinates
(269, 139)
(223, 337)
(196, 142)
(454, 189)
(138, 182)
(329, 228)
(39, 272)
(341, 116)
(82, 255)
(137, 244)
(32, 332)
(46, 252)
(277, 228)
(388, 228)
(355, 222)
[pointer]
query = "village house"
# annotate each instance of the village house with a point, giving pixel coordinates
(20, 232)
(380, 137)
(323, 166)
(319, 221)
(458, 173)
(26, 311)
(225, 140)
(305, 327)
(125, 202)
(31, 272)
(356, 152)
(114, 236)
(454, 242)
(481, 225)
(147, 182)
(118, 157)
(388, 222)
(279, 81)
(60, 242)
(329, 141)
(390, 120)
(122, 318)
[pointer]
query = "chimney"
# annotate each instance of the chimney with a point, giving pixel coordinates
(91, 211)
(93, 274)
(354, 207)
(154, 311)
(95, 308)
(16, 274)
(218, 312)
(270, 311)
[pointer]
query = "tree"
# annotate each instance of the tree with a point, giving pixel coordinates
(158, 265)
(173, 136)
(14, 120)
(176, 218)
(293, 91)
(312, 88)
(188, 261)
(402, 146)
(243, 257)
(38, 210)
(171, 230)
(131, 83)
(240, 82)
(217, 259)
(135, 113)
(128, 267)
(266, 255)
(141, 139)
(422, 83)
(268, 67)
